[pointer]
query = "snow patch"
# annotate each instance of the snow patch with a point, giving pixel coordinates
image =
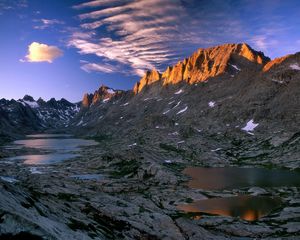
(165, 112)
(8, 179)
(34, 170)
(277, 81)
(212, 104)
(131, 145)
(250, 126)
(177, 104)
(22, 103)
(295, 66)
(105, 100)
(182, 110)
(174, 133)
(125, 104)
(236, 67)
(178, 92)
(32, 104)
(81, 122)
(76, 108)
(198, 130)
(215, 150)
(110, 91)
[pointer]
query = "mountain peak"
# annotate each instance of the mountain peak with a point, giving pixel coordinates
(104, 93)
(28, 98)
(149, 78)
(207, 63)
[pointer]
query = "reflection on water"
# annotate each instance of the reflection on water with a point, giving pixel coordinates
(58, 144)
(43, 135)
(44, 158)
(61, 147)
(87, 176)
(249, 208)
(229, 178)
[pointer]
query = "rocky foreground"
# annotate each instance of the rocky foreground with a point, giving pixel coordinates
(135, 197)
(241, 110)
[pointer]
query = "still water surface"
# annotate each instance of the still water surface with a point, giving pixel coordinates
(62, 147)
(246, 207)
(232, 177)
(249, 208)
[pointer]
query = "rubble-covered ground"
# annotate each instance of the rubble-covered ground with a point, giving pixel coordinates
(134, 187)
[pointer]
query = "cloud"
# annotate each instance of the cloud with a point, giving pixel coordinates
(99, 3)
(46, 23)
(98, 67)
(6, 5)
(137, 38)
(39, 52)
(146, 34)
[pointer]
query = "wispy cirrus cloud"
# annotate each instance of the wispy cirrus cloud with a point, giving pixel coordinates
(141, 34)
(46, 23)
(39, 52)
(146, 34)
(6, 5)
(98, 67)
(99, 3)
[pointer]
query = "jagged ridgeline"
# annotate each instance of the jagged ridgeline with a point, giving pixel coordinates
(207, 63)
(28, 115)
(224, 121)
(219, 89)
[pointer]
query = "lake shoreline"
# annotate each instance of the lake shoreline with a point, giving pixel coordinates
(136, 197)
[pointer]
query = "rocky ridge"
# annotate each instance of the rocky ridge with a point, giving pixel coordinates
(103, 94)
(207, 63)
(28, 115)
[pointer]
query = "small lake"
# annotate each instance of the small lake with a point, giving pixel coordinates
(249, 208)
(246, 207)
(61, 146)
(232, 177)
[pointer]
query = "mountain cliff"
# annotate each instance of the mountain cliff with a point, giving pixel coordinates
(104, 93)
(226, 59)
(230, 90)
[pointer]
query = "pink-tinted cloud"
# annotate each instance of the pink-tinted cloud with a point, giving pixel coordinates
(39, 52)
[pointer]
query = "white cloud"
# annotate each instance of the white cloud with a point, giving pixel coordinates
(6, 5)
(46, 23)
(39, 52)
(97, 67)
(99, 3)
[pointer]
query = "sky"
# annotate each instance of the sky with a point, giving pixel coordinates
(64, 49)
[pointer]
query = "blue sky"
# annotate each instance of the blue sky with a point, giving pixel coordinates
(66, 48)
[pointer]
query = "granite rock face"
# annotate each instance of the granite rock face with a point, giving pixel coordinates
(207, 63)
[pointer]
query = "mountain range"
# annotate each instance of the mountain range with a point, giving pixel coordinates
(224, 109)
(229, 90)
